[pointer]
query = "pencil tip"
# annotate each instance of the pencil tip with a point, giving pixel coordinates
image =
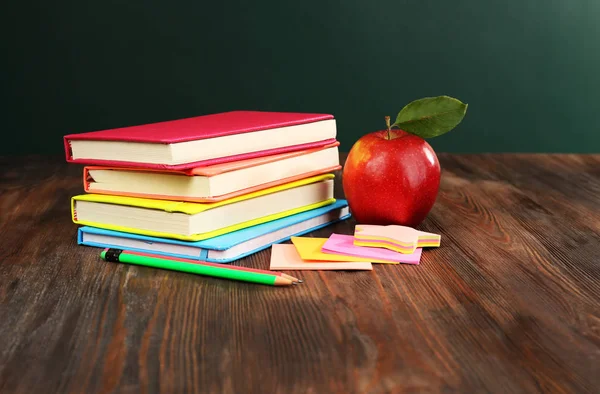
(300, 281)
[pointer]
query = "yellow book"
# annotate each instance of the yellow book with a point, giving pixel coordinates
(197, 221)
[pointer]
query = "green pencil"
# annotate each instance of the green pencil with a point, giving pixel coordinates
(118, 255)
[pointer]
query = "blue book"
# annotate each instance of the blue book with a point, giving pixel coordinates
(224, 248)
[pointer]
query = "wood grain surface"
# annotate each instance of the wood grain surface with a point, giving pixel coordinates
(508, 304)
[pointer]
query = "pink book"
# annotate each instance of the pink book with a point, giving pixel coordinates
(344, 245)
(203, 140)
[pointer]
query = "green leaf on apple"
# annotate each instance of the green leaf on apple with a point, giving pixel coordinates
(431, 116)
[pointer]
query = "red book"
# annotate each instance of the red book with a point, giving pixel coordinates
(202, 140)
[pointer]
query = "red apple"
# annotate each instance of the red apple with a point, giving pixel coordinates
(391, 177)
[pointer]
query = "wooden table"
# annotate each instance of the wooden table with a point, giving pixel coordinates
(508, 304)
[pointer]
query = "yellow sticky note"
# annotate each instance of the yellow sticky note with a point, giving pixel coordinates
(310, 249)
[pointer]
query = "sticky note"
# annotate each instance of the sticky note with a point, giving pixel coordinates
(286, 257)
(399, 239)
(310, 249)
(344, 245)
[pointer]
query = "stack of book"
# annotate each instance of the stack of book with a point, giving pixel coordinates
(213, 188)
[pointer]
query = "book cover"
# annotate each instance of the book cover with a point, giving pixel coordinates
(201, 127)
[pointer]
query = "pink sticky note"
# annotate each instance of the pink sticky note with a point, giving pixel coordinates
(344, 245)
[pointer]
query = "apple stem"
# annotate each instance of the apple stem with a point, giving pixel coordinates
(387, 123)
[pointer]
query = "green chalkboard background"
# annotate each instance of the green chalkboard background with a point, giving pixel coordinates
(529, 69)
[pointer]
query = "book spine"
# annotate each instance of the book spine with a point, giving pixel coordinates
(68, 150)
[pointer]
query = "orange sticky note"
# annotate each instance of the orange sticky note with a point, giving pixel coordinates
(286, 257)
(400, 239)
